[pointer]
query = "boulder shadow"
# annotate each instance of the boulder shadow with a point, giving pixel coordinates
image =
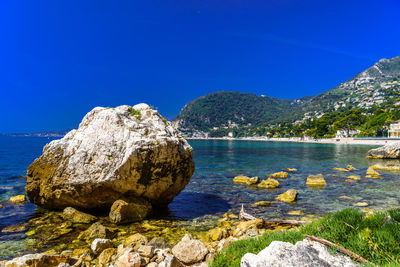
(190, 205)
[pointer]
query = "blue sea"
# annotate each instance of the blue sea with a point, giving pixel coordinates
(211, 192)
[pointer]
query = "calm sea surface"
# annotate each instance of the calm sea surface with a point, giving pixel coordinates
(211, 191)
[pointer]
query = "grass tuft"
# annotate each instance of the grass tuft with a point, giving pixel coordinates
(375, 238)
(135, 112)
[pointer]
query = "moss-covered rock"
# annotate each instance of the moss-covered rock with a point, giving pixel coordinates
(135, 240)
(96, 230)
(268, 184)
(263, 203)
(354, 177)
(316, 180)
(291, 170)
(350, 168)
(241, 179)
(217, 234)
(371, 173)
(279, 175)
(77, 216)
(124, 212)
(17, 199)
(340, 169)
(288, 196)
(107, 257)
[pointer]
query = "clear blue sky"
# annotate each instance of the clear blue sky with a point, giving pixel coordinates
(60, 59)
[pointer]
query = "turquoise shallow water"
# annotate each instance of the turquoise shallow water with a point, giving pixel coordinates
(211, 191)
(217, 162)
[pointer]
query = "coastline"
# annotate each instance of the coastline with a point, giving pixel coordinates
(338, 141)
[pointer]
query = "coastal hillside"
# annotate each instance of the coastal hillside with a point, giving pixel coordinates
(232, 109)
(373, 86)
(218, 113)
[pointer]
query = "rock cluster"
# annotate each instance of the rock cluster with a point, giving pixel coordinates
(126, 153)
(303, 253)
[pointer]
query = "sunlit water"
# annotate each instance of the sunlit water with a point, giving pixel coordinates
(211, 192)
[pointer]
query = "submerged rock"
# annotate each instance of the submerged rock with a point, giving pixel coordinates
(304, 253)
(14, 228)
(354, 177)
(391, 165)
(268, 184)
(288, 196)
(340, 169)
(36, 260)
(371, 173)
(100, 244)
(106, 256)
(241, 179)
(124, 212)
(316, 180)
(17, 199)
(350, 168)
(296, 212)
(116, 153)
(263, 203)
(291, 170)
(190, 250)
(96, 230)
(279, 175)
(390, 151)
(77, 216)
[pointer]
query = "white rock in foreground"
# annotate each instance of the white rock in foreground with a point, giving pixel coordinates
(304, 253)
(116, 153)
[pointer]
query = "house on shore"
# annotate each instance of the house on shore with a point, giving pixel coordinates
(394, 129)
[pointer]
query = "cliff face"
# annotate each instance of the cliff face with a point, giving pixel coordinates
(123, 152)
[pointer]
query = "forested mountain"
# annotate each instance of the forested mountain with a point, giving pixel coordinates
(375, 88)
(225, 108)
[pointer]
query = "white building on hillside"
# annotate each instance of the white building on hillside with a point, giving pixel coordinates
(394, 129)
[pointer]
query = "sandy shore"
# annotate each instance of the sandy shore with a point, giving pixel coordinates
(341, 141)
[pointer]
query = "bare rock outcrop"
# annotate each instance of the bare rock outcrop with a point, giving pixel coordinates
(390, 151)
(304, 253)
(116, 153)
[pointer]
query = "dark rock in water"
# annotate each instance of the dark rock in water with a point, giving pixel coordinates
(124, 212)
(96, 230)
(116, 153)
(391, 151)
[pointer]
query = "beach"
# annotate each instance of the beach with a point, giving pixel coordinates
(373, 141)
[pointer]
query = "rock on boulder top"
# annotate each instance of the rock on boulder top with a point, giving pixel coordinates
(123, 152)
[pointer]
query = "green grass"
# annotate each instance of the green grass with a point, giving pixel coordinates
(135, 112)
(372, 237)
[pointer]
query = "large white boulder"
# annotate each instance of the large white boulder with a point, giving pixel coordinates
(116, 153)
(304, 253)
(390, 151)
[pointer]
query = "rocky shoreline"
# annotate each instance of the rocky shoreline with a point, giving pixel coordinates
(75, 238)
